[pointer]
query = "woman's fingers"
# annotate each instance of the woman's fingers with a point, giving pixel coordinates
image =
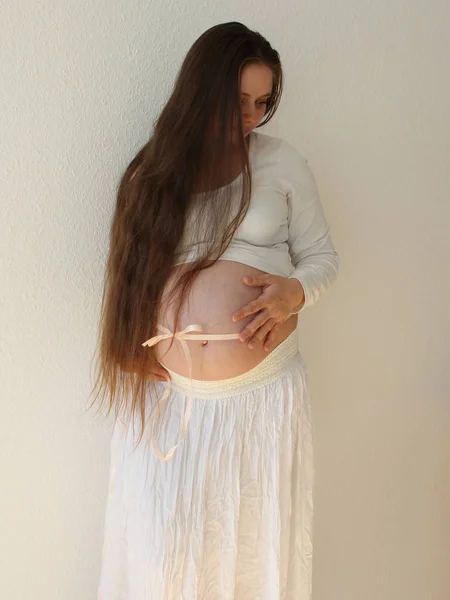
(251, 328)
(159, 374)
(161, 371)
(269, 343)
(248, 309)
(159, 378)
(261, 333)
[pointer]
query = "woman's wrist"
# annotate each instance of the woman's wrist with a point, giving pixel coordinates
(298, 295)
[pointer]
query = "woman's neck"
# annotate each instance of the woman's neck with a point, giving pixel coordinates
(235, 170)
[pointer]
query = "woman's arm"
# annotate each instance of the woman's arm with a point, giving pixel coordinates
(313, 254)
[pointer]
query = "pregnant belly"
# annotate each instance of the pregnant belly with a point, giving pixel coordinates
(217, 293)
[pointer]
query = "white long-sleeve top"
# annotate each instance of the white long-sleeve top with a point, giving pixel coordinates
(285, 231)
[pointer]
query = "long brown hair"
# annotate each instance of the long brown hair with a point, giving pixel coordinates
(191, 146)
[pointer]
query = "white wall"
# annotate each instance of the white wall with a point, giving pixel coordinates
(366, 99)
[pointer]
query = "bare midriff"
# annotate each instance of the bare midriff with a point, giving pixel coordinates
(217, 293)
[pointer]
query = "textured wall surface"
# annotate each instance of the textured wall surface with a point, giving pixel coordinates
(366, 100)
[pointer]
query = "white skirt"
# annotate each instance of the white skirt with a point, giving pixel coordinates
(230, 515)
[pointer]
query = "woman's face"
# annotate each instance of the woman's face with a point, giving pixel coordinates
(256, 87)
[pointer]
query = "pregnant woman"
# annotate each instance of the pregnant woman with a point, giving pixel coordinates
(217, 242)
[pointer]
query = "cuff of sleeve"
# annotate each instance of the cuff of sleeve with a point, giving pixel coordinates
(309, 299)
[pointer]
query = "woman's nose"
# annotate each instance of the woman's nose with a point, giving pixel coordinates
(248, 114)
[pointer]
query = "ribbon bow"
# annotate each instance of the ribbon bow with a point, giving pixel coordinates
(182, 336)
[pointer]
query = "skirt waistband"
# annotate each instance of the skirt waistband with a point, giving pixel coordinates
(269, 369)
(266, 371)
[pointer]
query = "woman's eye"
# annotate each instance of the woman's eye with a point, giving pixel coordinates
(263, 102)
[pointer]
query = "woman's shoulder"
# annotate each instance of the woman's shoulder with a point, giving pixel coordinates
(291, 163)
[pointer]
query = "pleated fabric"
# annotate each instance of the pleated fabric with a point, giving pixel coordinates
(230, 516)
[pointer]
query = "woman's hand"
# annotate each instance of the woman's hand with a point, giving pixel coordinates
(158, 373)
(281, 296)
(155, 373)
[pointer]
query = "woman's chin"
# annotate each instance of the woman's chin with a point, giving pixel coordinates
(245, 132)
